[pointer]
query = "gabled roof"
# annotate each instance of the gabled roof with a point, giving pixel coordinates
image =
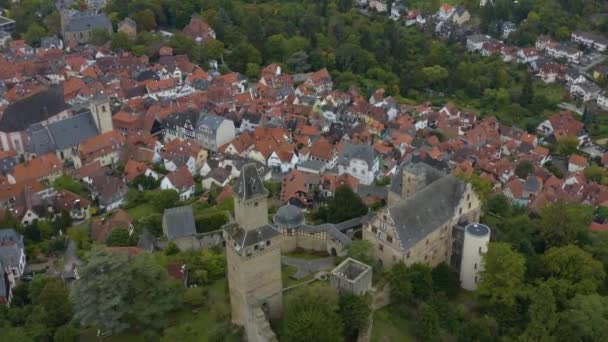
(179, 222)
(249, 185)
(416, 216)
(33, 109)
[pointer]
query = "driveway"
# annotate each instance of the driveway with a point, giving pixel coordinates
(307, 266)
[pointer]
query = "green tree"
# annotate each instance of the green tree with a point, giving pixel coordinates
(361, 250)
(400, 285)
(66, 333)
(419, 276)
(445, 280)
(144, 182)
(567, 145)
(99, 36)
(503, 275)
(585, 319)
(120, 41)
(527, 91)
(114, 293)
(570, 270)
(145, 20)
(354, 311)
(118, 238)
(427, 323)
(524, 168)
(311, 315)
(54, 300)
(345, 205)
(564, 223)
(482, 186)
(34, 34)
(153, 223)
(164, 199)
(101, 294)
(543, 315)
(499, 204)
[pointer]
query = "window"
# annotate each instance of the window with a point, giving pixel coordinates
(407, 256)
(380, 247)
(268, 243)
(427, 242)
(394, 258)
(468, 196)
(480, 250)
(460, 211)
(374, 230)
(389, 238)
(426, 257)
(475, 279)
(475, 266)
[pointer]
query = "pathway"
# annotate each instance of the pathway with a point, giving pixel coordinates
(307, 266)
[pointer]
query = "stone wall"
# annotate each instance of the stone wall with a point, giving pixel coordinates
(195, 242)
(257, 327)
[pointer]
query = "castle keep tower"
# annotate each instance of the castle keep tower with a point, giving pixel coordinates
(253, 251)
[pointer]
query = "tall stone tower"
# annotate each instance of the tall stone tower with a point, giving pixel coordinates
(253, 251)
(101, 112)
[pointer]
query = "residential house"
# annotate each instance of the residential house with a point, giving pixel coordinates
(77, 206)
(320, 81)
(508, 28)
(573, 76)
(104, 148)
(135, 168)
(12, 251)
(177, 153)
(359, 161)
(461, 15)
(181, 181)
(323, 151)
(561, 125)
(129, 27)
(551, 72)
(560, 51)
(590, 40)
(446, 11)
(585, 91)
(199, 30)
(602, 100)
(107, 189)
(102, 227)
(378, 5)
(218, 176)
(576, 163)
(475, 42)
(213, 131)
(44, 168)
(527, 55)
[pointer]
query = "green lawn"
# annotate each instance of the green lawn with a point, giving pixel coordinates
(391, 325)
(141, 211)
(287, 271)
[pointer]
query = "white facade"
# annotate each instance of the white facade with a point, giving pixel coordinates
(602, 100)
(475, 246)
(358, 168)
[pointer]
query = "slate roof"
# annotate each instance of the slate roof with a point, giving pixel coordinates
(289, 216)
(41, 106)
(87, 22)
(62, 134)
(11, 244)
(211, 121)
(415, 217)
(359, 151)
(249, 185)
(179, 222)
(247, 238)
(146, 241)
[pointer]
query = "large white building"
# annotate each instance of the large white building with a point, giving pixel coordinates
(359, 161)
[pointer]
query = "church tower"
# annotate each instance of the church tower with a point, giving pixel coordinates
(253, 251)
(101, 112)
